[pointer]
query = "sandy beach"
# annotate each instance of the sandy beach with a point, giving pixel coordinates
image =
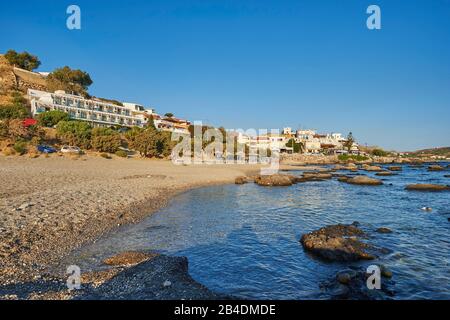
(50, 206)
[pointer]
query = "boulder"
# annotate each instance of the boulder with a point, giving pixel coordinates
(384, 230)
(240, 180)
(317, 175)
(364, 180)
(395, 168)
(384, 173)
(371, 168)
(337, 243)
(275, 180)
(128, 258)
(427, 187)
(435, 168)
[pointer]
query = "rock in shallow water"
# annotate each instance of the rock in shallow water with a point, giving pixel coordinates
(427, 187)
(275, 180)
(338, 243)
(384, 230)
(363, 180)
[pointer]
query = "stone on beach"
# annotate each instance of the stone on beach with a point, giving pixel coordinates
(129, 258)
(240, 180)
(427, 187)
(337, 243)
(364, 180)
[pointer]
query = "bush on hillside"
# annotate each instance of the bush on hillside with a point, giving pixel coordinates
(152, 143)
(22, 60)
(20, 147)
(379, 153)
(75, 133)
(346, 157)
(52, 118)
(122, 154)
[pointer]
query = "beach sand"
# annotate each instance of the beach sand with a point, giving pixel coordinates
(52, 205)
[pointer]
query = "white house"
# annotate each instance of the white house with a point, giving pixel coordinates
(95, 111)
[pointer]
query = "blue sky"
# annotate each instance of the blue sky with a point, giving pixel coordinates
(258, 64)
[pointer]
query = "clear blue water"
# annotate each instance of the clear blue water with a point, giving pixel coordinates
(243, 240)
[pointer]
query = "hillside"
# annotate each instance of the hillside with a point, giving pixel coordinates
(442, 152)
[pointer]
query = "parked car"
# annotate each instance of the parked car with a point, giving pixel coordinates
(45, 149)
(70, 149)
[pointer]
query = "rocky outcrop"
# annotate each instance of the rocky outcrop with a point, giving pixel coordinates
(241, 180)
(427, 187)
(338, 243)
(317, 175)
(364, 180)
(395, 168)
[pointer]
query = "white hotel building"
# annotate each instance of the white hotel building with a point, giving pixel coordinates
(95, 111)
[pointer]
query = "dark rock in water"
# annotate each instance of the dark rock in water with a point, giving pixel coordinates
(149, 281)
(384, 173)
(385, 272)
(384, 230)
(343, 178)
(351, 284)
(338, 243)
(275, 180)
(427, 187)
(395, 168)
(356, 223)
(448, 219)
(240, 180)
(447, 176)
(435, 168)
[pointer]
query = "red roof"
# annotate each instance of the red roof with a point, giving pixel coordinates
(29, 122)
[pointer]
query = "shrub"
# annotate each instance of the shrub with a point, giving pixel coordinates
(109, 143)
(17, 130)
(13, 112)
(379, 152)
(346, 157)
(152, 143)
(20, 147)
(121, 153)
(52, 118)
(105, 155)
(22, 60)
(76, 133)
(8, 151)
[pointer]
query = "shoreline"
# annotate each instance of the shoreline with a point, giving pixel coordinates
(40, 222)
(53, 206)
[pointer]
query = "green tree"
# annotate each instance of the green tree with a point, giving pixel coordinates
(52, 118)
(169, 115)
(76, 133)
(69, 80)
(297, 146)
(152, 143)
(349, 142)
(105, 140)
(16, 108)
(379, 152)
(23, 60)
